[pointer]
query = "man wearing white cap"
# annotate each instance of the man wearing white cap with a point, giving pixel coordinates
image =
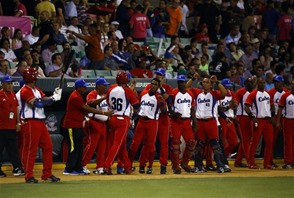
(116, 30)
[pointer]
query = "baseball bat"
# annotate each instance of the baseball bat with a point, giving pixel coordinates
(66, 66)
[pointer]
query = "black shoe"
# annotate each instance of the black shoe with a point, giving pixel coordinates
(142, 169)
(149, 170)
(2, 174)
(18, 171)
(187, 168)
(107, 171)
(211, 168)
(241, 165)
(162, 169)
(52, 178)
(198, 170)
(32, 180)
(287, 166)
(177, 171)
(133, 168)
(275, 165)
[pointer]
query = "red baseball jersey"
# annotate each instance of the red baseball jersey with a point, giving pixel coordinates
(8, 107)
(74, 115)
(287, 101)
(262, 102)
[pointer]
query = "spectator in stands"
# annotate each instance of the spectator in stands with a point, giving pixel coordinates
(141, 71)
(139, 23)
(4, 67)
(269, 77)
(184, 32)
(175, 19)
(240, 72)
(123, 18)
(116, 30)
(221, 47)
(266, 58)
(63, 27)
(19, 9)
(33, 37)
(37, 59)
(45, 5)
(236, 53)
(161, 20)
(119, 57)
(255, 65)
(82, 8)
(187, 55)
(60, 10)
(85, 32)
(122, 45)
(255, 45)
(252, 31)
(57, 36)
(75, 28)
(21, 67)
(234, 35)
(25, 48)
(247, 59)
(204, 63)
(249, 20)
(5, 33)
(111, 37)
(202, 36)
(104, 33)
(56, 68)
(237, 14)
(48, 52)
(95, 53)
(270, 19)
(204, 50)
(284, 24)
(245, 40)
(5, 48)
(2, 55)
(65, 53)
(219, 66)
(109, 62)
(71, 10)
(46, 30)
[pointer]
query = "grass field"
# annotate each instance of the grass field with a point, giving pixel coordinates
(169, 187)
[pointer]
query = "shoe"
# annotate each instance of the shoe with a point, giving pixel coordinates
(86, 171)
(177, 171)
(269, 167)
(99, 171)
(149, 170)
(32, 180)
(2, 174)
(287, 166)
(107, 171)
(162, 169)
(241, 165)
(133, 168)
(198, 170)
(186, 168)
(120, 170)
(129, 171)
(227, 168)
(275, 165)
(221, 170)
(211, 168)
(52, 178)
(65, 172)
(142, 169)
(232, 156)
(18, 171)
(254, 166)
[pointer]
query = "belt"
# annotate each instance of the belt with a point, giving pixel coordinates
(265, 118)
(145, 118)
(205, 119)
(37, 119)
(185, 118)
(95, 119)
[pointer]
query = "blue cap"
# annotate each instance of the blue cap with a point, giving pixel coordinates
(21, 83)
(226, 82)
(81, 83)
(160, 71)
(101, 81)
(6, 78)
(168, 55)
(129, 75)
(278, 79)
(181, 78)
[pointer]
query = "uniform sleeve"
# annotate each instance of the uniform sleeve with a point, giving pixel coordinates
(282, 101)
(158, 102)
(91, 96)
(239, 95)
(168, 89)
(216, 94)
(131, 96)
(193, 99)
(195, 92)
(251, 97)
(147, 87)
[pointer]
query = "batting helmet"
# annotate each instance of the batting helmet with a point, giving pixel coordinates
(122, 77)
(30, 75)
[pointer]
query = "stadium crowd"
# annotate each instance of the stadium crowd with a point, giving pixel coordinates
(230, 45)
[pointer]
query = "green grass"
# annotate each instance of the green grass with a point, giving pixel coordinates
(180, 188)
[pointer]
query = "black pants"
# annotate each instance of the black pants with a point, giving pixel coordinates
(74, 138)
(8, 140)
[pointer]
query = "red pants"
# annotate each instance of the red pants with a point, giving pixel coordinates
(95, 140)
(245, 129)
(120, 128)
(289, 141)
(35, 134)
(276, 132)
(229, 136)
(181, 128)
(146, 131)
(207, 129)
(265, 127)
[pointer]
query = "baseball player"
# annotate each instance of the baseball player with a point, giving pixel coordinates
(276, 94)
(244, 122)
(262, 123)
(181, 112)
(163, 127)
(151, 105)
(34, 132)
(75, 116)
(9, 126)
(287, 103)
(119, 99)
(95, 128)
(206, 100)
(227, 105)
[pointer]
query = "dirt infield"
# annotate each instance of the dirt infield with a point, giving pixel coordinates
(236, 172)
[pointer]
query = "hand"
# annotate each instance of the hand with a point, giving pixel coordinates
(176, 115)
(57, 94)
(160, 98)
(108, 113)
(195, 126)
(229, 121)
(213, 79)
(232, 104)
(68, 31)
(18, 127)
(278, 125)
(196, 75)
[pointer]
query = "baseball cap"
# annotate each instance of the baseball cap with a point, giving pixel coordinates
(7, 78)
(181, 78)
(255, 40)
(226, 82)
(81, 83)
(168, 55)
(102, 81)
(160, 71)
(114, 23)
(278, 78)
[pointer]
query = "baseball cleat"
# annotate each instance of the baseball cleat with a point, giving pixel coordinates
(254, 166)
(120, 170)
(142, 169)
(177, 170)
(186, 168)
(198, 170)
(99, 171)
(275, 165)
(129, 171)
(107, 171)
(52, 178)
(32, 180)
(269, 167)
(86, 171)
(149, 170)
(241, 165)
(18, 171)
(210, 168)
(287, 166)
(162, 169)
